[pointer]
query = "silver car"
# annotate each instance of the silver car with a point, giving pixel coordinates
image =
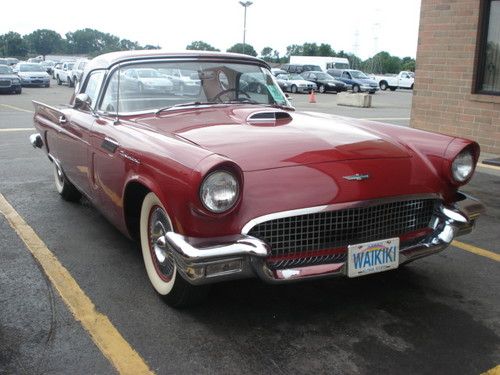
(32, 74)
(295, 83)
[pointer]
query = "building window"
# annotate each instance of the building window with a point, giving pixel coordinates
(489, 60)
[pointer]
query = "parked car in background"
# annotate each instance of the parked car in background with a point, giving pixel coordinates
(295, 83)
(233, 184)
(48, 65)
(32, 74)
(277, 71)
(11, 61)
(359, 81)
(146, 80)
(185, 81)
(55, 68)
(299, 68)
(9, 81)
(403, 80)
(77, 71)
(63, 73)
(325, 82)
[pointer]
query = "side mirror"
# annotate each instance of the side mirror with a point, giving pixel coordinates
(82, 101)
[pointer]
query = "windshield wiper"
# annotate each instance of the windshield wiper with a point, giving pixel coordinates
(189, 104)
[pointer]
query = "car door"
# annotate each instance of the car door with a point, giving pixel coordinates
(109, 158)
(405, 80)
(74, 136)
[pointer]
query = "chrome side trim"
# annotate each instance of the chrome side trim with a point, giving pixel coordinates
(332, 207)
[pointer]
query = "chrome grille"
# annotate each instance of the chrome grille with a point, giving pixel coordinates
(322, 237)
(4, 83)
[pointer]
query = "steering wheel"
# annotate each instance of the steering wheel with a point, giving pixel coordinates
(223, 92)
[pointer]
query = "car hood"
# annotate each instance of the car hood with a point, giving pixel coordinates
(301, 139)
(366, 81)
(8, 76)
(33, 74)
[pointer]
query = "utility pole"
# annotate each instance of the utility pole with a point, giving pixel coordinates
(245, 5)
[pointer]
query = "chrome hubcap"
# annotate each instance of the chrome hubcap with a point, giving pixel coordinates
(162, 257)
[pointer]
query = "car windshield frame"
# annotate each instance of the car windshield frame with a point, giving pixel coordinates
(245, 83)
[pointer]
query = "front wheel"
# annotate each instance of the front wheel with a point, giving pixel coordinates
(356, 88)
(293, 89)
(321, 89)
(159, 260)
(383, 85)
(59, 82)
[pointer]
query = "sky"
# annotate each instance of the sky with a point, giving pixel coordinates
(363, 27)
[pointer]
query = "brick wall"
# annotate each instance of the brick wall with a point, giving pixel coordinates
(442, 99)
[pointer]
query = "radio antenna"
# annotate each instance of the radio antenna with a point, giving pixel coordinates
(117, 119)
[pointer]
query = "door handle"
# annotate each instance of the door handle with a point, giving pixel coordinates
(62, 120)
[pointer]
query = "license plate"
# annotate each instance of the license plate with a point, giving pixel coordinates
(372, 257)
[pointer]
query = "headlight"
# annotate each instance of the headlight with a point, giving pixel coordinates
(219, 191)
(462, 166)
(16, 81)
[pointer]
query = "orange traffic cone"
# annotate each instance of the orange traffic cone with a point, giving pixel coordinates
(312, 97)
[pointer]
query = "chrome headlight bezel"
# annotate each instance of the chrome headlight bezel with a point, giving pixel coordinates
(462, 166)
(220, 182)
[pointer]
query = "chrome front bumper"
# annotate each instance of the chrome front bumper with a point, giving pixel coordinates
(204, 261)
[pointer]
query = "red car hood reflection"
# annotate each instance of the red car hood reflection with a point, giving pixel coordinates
(306, 138)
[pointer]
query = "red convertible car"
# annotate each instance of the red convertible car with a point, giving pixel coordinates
(226, 180)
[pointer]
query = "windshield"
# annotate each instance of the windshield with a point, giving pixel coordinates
(31, 68)
(323, 76)
(358, 74)
(296, 76)
(209, 83)
(4, 69)
(148, 73)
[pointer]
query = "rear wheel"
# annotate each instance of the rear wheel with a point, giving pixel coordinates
(159, 260)
(59, 82)
(70, 82)
(393, 88)
(66, 189)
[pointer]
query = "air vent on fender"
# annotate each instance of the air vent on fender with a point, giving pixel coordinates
(269, 118)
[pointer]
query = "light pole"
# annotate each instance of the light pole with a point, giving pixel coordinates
(245, 5)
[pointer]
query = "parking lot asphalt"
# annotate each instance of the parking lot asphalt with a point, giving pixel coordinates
(439, 315)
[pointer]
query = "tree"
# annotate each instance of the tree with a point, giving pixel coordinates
(266, 52)
(310, 49)
(246, 49)
(43, 41)
(126, 45)
(150, 46)
(325, 50)
(294, 50)
(13, 45)
(408, 63)
(201, 46)
(92, 42)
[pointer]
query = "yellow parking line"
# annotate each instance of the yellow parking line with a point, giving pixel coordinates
(16, 108)
(488, 166)
(107, 338)
(17, 129)
(493, 371)
(476, 250)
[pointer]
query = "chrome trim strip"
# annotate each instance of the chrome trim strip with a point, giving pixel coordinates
(332, 207)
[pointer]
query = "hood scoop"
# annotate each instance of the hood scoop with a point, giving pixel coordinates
(269, 118)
